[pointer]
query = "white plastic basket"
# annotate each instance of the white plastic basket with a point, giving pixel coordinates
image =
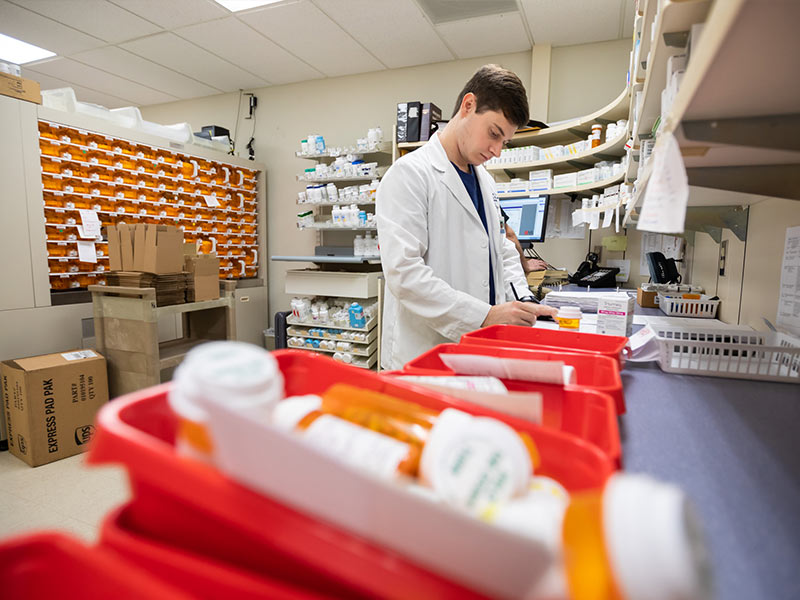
(676, 306)
(736, 353)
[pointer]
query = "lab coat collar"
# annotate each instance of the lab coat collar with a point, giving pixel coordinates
(450, 178)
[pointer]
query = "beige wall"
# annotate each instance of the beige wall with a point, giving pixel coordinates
(342, 109)
(586, 77)
(766, 234)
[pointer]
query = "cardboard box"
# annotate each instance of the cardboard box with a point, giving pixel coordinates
(18, 87)
(615, 314)
(646, 299)
(50, 402)
(149, 248)
(203, 272)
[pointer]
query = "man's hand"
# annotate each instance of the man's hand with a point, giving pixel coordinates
(533, 264)
(517, 313)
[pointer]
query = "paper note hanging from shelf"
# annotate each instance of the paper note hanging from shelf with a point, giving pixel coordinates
(211, 201)
(572, 227)
(90, 224)
(789, 300)
(624, 269)
(87, 252)
(615, 243)
(667, 193)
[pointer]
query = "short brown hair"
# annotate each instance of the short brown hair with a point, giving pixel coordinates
(496, 88)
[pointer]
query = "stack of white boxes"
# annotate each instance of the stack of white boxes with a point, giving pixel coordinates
(540, 181)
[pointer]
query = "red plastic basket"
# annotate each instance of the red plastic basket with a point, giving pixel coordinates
(198, 575)
(586, 410)
(48, 565)
(539, 338)
(190, 504)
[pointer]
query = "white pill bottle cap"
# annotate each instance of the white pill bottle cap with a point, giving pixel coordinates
(654, 542)
(241, 376)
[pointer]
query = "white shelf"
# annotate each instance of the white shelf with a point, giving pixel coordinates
(332, 227)
(372, 335)
(357, 203)
(383, 149)
(675, 16)
(578, 189)
(736, 132)
(370, 324)
(303, 179)
(373, 260)
(612, 149)
(363, 352)
(359, 362)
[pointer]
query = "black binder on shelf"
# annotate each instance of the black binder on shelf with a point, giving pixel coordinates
(414, 118)
(431, 115)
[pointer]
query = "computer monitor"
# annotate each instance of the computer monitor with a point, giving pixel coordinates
(527, 217)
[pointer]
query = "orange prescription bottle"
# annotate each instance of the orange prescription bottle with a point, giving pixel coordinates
(469, 461)
(634, 538)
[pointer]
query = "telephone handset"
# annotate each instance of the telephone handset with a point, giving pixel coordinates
(589, 274)
(662, 269)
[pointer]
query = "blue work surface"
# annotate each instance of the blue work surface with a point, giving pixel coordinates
(733, 446)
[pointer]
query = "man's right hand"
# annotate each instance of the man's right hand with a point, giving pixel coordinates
(516, 313)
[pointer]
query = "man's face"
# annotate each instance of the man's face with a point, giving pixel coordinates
(485, 135)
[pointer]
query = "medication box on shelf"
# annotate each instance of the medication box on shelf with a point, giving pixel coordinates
(19, 87)
(50, 402)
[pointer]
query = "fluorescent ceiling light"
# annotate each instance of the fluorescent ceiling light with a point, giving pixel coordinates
(19, 52)
(237, 5)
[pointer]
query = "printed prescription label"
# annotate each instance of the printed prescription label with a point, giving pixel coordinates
(362, 448)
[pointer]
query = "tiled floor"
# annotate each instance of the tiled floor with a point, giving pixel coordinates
(66, 495)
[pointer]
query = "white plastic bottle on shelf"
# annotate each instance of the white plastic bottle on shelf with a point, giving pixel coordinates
(358, 246)
(367, 245)
(336, 215)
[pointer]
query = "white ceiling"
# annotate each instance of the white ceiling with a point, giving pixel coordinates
(139, 52)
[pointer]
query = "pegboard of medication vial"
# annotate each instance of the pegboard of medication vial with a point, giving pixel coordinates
(92, 177)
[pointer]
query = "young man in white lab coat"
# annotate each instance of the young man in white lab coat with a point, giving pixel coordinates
(447, 262)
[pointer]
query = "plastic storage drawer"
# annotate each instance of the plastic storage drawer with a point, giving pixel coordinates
(179, 500)
(587, 409)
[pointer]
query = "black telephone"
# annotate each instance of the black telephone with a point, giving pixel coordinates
(662, 269)
(589, 274)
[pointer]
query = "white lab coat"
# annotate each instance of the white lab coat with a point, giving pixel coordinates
(435, 254)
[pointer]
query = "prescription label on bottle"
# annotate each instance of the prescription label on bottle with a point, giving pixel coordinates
(355, 445)
(476, 474)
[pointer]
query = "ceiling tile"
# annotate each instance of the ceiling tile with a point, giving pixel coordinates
(43, 32)
(99, 18)
(170, 14)
(236, 42)
(169, 50)
(81, 93)
(568, 22)
(395, 31)
(95, 79)
(305, 31)
(484, 36)
(141, 70)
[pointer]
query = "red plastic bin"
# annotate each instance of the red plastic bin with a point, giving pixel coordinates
(190, 504)
(198, 575)
(539, 338)
(586, 409)
(48, 565)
